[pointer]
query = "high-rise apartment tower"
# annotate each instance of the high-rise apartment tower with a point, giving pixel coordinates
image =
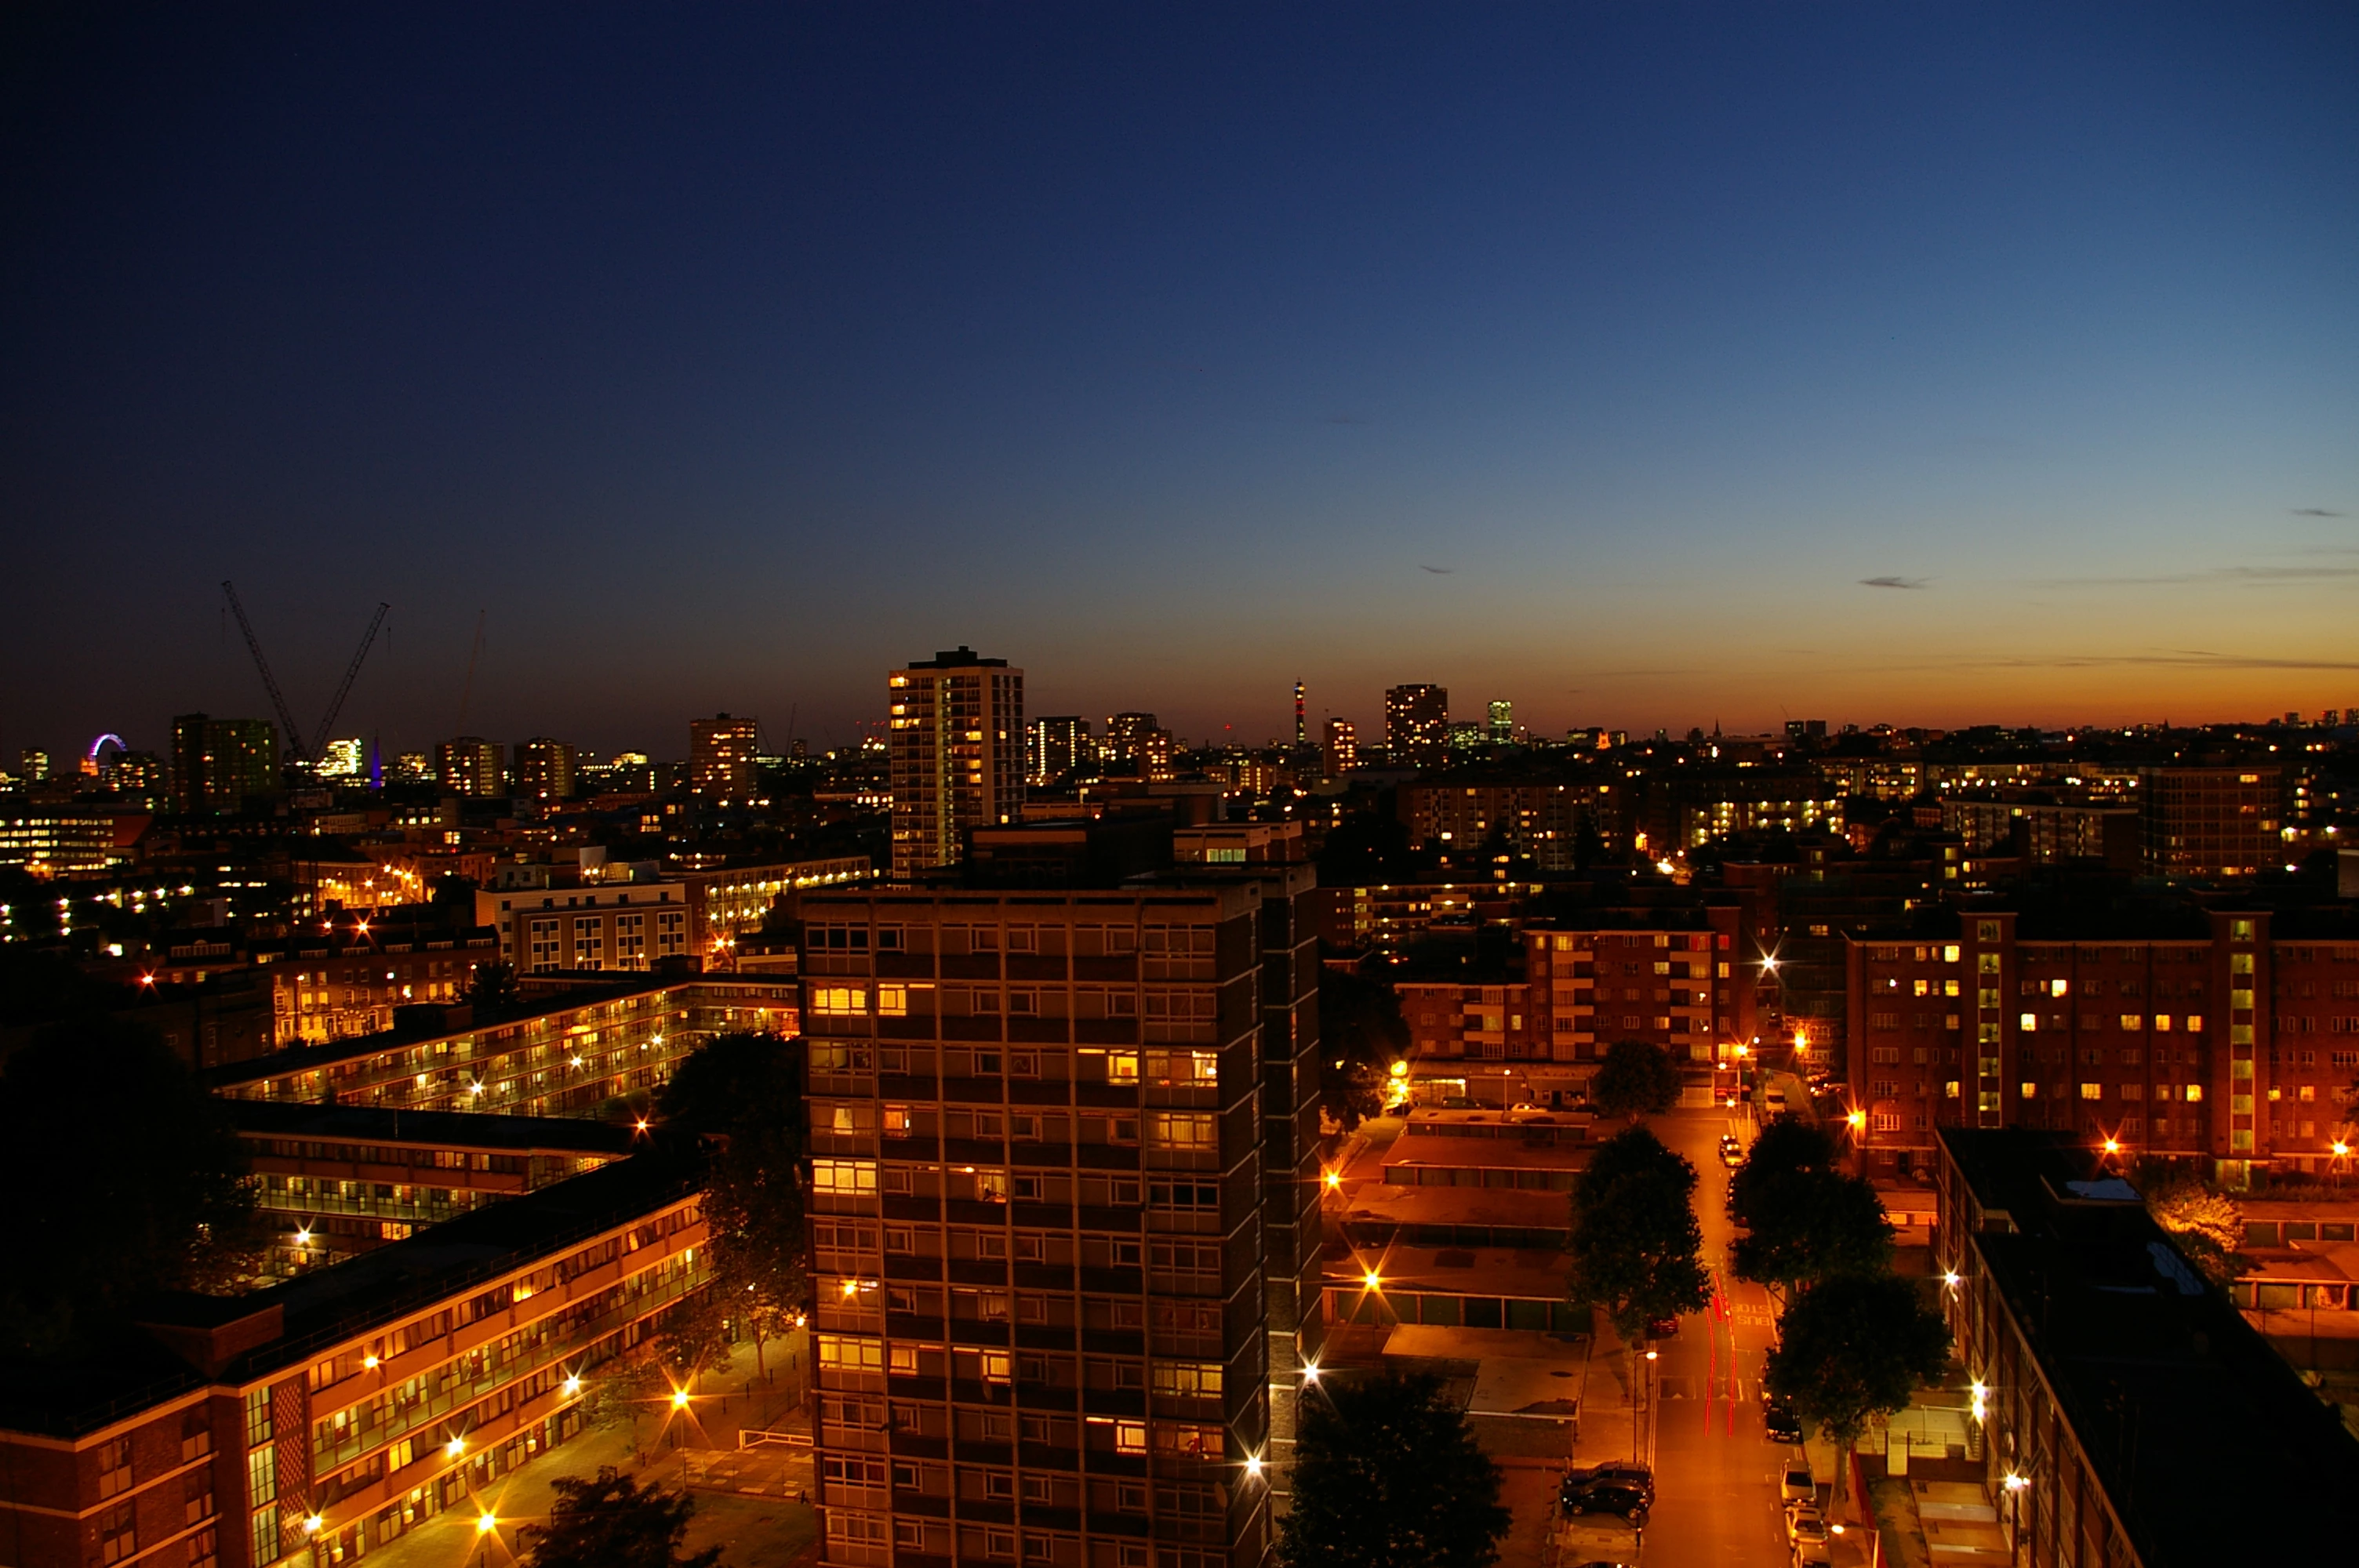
(721, 756)
(957, 751)
(1417, 726)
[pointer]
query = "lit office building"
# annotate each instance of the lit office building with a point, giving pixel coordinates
(1342, 747)
(1058, 748)
(721, 752)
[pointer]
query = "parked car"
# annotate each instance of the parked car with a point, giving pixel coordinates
(1628, 1503)
(1732, 1152)
(1612, 1472)
(1636, 1477)
(1807, 1538)
(1780, 1424)
(1800, 1484)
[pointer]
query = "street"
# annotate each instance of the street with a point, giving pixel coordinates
(1716, 1477)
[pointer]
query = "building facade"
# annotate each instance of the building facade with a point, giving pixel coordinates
(468, 764)
(721, 752)
(1417, 726)
(218, 765)
(1037, 1227)
(544, 769)
(956, 753)
(2224, 1042)
(1058, 748)
(2212, 824)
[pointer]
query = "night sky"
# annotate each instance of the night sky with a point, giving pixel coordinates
(1920, 363)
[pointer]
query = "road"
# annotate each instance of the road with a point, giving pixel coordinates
(1715, 1475)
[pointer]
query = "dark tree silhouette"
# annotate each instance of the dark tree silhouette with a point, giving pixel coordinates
(143, 1189)
(1388, 1475)
(1807, 1219)
(1636, 1079)
(609, 1520)
(1636, 1247)
(1360, 1035)
(747, 1089)
(1854, 1346)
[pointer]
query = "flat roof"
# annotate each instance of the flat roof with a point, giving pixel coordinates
(1484, 1153)
(1525, 1273)
(440, 1129)
(2167, 1387)
(1387, 1203)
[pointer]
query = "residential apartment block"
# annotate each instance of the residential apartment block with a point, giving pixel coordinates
(2221, 1039)
(1037, 1226)
(956, 744)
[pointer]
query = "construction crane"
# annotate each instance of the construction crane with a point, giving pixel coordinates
(307, 750)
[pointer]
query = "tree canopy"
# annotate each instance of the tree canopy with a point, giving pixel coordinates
(1854, 1346)
(1637, 1079)
(2205, 1224)
(140, 1189)
(609, 1520)
(1387, 1475)
(1360, 1035)
(1636, 1247)
(747, 1090)
(1808, 1219)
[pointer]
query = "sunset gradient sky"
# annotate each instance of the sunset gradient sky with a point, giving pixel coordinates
(1604, 358)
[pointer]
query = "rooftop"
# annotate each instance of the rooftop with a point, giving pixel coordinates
(2166, 1386)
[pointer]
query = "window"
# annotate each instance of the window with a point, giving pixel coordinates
(839, 1001)
(892, 1002)
(848, 1354)
(113, 1467)
(2092, 1091)
(118, 1533)
(1122, 1066)
(2194, 1093)
(845, 1178)
(544, 953)
(1195, 1130)
(2133, 1021)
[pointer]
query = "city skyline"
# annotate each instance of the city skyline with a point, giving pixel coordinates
(1646, 368)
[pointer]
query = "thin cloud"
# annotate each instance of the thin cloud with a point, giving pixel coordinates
(2314, 512)
(1438, 571)
(2252, 576)
(2164, 658)
(1910, 582)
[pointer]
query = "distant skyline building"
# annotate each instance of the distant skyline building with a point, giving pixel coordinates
(468, 764)
(1301, 724)
(2210, 824)
(956, 747)
(545, 769)
(721, 751)
(1417, 726)
(218, 763)
(1138, 747)
(1503, 721)
(1342, 747)
(1058, 747)
(344, 758)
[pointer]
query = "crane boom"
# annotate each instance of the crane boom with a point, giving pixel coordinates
(343, 688)
(270, 682)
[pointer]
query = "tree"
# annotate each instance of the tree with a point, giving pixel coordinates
(1636, 1247)
(1807, 1219)
(609, 1520)
(1360, 1035)
(1811, 1226)
(747, 1089)
(1636, 1079)
(1388, 1475)
(1855, 1346)
(492, 987)
(143, 1191)
(2205, 1224)
(1787, 1145)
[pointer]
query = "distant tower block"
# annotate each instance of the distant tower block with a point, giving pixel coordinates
(1301, 725)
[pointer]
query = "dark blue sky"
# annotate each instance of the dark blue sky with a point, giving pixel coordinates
(727, 355)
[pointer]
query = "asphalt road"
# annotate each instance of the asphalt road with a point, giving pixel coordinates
(1715, 1475)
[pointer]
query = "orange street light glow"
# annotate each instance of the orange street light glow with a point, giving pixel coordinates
(1334, 1179)
(486, 1523)
(679, 1399)
(1372, 1281)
